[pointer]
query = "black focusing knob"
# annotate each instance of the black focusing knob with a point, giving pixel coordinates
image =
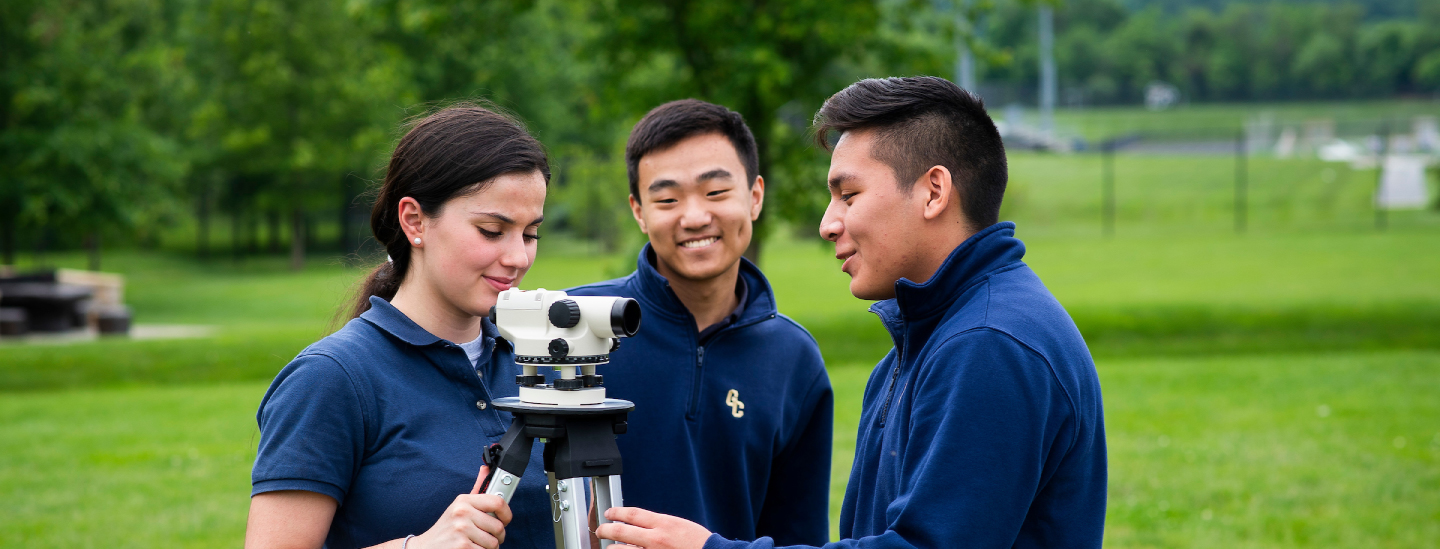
(615, 345)
(565, 313)
(559, 348)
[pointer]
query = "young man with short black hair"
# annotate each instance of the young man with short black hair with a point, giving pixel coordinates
(733, 411)
(983, 427)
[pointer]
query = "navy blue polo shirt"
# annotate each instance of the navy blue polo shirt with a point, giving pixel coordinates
(732, 426)
(390, 421)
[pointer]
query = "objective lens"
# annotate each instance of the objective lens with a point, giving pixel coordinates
(625, 317)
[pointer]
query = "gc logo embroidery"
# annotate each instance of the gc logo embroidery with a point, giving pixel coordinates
(732, 399)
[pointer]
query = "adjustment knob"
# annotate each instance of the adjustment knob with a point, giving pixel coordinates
(559, 348)
(565, 313)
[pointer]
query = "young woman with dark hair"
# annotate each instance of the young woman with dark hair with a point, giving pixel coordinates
(373, 435)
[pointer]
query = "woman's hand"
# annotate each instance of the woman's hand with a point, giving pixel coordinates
(467, 522)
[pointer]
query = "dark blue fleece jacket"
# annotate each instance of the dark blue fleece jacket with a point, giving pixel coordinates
(983, 426)
(731, 430)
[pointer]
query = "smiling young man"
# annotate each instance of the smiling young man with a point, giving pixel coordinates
(733, 409)
(983, 426)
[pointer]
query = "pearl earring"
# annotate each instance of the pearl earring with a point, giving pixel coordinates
(417, 241)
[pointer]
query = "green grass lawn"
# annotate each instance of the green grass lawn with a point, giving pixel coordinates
(128, 467)
(1270, 389)
(1324, 450)
(1333, 450)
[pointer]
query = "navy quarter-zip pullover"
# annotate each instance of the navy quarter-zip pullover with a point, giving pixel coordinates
(390, 421)
(731, 430)
(983, 426)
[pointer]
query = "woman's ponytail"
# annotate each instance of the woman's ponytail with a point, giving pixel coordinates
(382, 282)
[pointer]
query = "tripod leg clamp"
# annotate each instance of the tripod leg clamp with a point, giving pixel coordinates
(507, 460)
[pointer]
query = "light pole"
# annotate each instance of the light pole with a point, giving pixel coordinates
(964, 58)
(1047, 68)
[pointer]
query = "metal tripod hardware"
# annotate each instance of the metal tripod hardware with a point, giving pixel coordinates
(579, 445)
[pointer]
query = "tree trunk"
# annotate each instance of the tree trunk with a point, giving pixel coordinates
(297, 240)
(92, 245)
(237, 233)
(252, 233)
(310, 242)
(345, 202)
(274, 230)
(752, 252)
(7, 237)
(202, 217)
(43, 245)
(759, 118)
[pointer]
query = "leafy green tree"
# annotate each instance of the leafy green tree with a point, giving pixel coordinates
(1427, 48)
(773, 62)
(1109, 50)
(294, 97)
(82, 144)
(529, 58)
(1320, 65)
(1386, 56)
(18, 48)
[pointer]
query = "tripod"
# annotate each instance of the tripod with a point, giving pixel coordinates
(579, 443)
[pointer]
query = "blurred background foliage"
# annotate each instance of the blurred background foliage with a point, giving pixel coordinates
(256, 126)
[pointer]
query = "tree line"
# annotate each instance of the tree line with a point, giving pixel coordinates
(1273, 51)
(129, 118)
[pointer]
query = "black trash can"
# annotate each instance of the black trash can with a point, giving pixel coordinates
(113, 320)
(13, 321)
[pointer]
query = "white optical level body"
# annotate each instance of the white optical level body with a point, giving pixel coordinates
(572, 334)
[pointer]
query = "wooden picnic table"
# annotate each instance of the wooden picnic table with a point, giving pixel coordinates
(50, 307)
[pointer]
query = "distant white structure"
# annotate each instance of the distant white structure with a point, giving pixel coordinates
(1160, 96)
(1396, 154)
(1402, 183)
(1318, 133)
(1401, 144)
(1427, 133)
(1285, 147)
(1340, 151)
(1259, 132)
(1019, 134)
(1014, 115)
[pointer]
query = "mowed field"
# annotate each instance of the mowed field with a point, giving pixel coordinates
(1271, 389)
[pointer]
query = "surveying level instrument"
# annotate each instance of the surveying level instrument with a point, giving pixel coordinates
(571, 414)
